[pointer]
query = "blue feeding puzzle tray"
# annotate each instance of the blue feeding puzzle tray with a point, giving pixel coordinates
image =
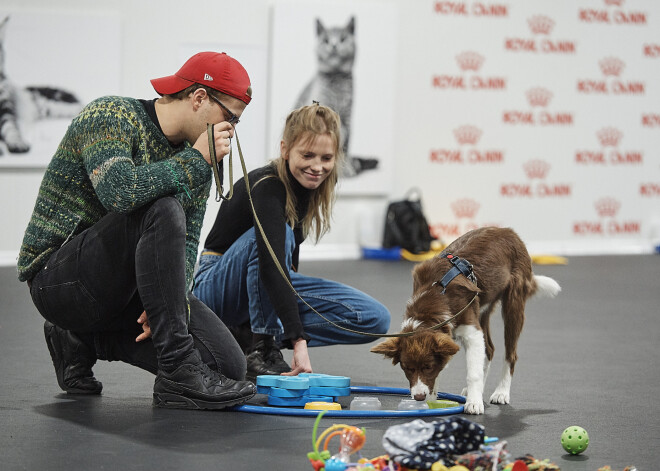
(287, 395)
(296, 391)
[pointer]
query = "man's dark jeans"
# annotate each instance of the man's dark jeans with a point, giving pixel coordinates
(99, 282)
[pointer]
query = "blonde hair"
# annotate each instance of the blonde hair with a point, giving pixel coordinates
(306, 123)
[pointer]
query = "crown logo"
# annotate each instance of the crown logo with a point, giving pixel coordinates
(470, 60)
(616, 3)
(536, 169)
(467, 134)
(538, 96)
(611, 66)
(465, 208)
(541, 24)
(609, 137)
(607, 207)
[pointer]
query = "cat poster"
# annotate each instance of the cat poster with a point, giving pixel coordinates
(342, 55)
(47, 74)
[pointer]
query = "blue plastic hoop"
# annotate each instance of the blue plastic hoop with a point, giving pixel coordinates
(362, 413)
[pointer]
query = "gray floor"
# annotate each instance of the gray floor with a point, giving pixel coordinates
(588, 358)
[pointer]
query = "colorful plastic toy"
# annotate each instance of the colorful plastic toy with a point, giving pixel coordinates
(351, 441)
(575, 439)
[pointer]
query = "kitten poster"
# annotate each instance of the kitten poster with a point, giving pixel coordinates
(342, 55)
(47, 75)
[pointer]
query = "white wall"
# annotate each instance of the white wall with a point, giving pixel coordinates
(429, 36)
(152, 32)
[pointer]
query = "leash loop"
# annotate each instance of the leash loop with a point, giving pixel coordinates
(218, 167)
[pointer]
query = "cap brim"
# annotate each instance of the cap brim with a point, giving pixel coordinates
(170, 85)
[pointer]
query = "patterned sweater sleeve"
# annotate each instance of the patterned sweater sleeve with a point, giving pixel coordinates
(124, 175)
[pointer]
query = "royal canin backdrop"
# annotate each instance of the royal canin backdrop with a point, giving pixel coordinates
(539, 115)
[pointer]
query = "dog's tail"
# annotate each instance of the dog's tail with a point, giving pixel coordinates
(546, 286)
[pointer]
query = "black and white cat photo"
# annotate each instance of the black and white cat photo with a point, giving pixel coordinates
(332, 85)
(22, 105)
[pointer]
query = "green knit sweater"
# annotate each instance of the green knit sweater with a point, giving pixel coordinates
(113, 158)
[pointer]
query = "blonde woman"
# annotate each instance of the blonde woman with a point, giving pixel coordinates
(237, 277)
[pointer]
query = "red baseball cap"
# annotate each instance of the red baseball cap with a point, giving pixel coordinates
(212, 69)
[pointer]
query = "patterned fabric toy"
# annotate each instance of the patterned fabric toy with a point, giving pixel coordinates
(419, 444)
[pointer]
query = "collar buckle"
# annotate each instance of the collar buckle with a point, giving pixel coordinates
(460, 266)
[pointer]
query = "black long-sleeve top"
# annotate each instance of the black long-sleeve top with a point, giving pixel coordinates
(235, 217)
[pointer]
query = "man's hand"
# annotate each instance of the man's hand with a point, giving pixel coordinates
(142, 320)
(222, 132)
(301, 362)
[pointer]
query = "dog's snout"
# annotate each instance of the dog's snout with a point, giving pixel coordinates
(420, 397)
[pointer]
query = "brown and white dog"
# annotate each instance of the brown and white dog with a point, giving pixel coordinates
(503, 269)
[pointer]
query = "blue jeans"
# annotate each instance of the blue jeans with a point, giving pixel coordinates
(231, 286)
(99, 282)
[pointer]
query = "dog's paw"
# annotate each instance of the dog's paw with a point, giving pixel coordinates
(474, 408)
(500, 397)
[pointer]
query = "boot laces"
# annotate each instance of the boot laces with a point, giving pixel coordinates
(208, 375)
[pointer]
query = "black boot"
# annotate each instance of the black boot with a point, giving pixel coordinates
(73, 361)
(265, 359)
(194, 385)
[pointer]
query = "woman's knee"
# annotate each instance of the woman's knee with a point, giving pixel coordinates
(380, 318)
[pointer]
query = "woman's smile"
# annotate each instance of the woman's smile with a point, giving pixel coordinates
(311, 161)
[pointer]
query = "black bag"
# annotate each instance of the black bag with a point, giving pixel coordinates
(406, 226)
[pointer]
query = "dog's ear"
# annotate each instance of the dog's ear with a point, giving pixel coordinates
(445, 345)
(389, 349)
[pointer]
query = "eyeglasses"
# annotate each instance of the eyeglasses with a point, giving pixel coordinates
(233, 119)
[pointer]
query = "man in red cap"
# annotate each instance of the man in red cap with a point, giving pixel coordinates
(110, 249)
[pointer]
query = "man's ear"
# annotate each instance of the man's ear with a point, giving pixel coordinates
(197, 97)
(445, 345)
(389, 349)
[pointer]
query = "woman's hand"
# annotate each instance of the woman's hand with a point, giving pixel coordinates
(300, 362)
(142, 320)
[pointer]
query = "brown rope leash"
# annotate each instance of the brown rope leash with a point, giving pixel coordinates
(218, 167)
